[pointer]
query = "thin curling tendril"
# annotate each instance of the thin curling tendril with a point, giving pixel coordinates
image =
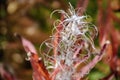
(70, 38)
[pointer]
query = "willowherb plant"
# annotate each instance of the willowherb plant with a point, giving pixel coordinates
(72, 45)
(71, 53)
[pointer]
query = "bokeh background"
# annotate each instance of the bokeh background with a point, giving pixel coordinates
(31, 19)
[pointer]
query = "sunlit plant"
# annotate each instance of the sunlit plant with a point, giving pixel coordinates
(70, 52)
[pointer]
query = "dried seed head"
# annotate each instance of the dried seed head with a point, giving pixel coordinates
(73, 45)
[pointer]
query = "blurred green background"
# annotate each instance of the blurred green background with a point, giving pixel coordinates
(31, 19)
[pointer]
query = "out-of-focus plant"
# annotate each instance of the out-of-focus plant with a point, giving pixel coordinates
(30, 18)
(107, 20)
(69, 48)
(6, 73)
(24, 17)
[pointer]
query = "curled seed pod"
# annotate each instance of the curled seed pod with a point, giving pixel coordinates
(71, 45)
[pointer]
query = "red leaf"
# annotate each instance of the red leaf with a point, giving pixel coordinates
(39, 70)
(28, 46)
(92, 64)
